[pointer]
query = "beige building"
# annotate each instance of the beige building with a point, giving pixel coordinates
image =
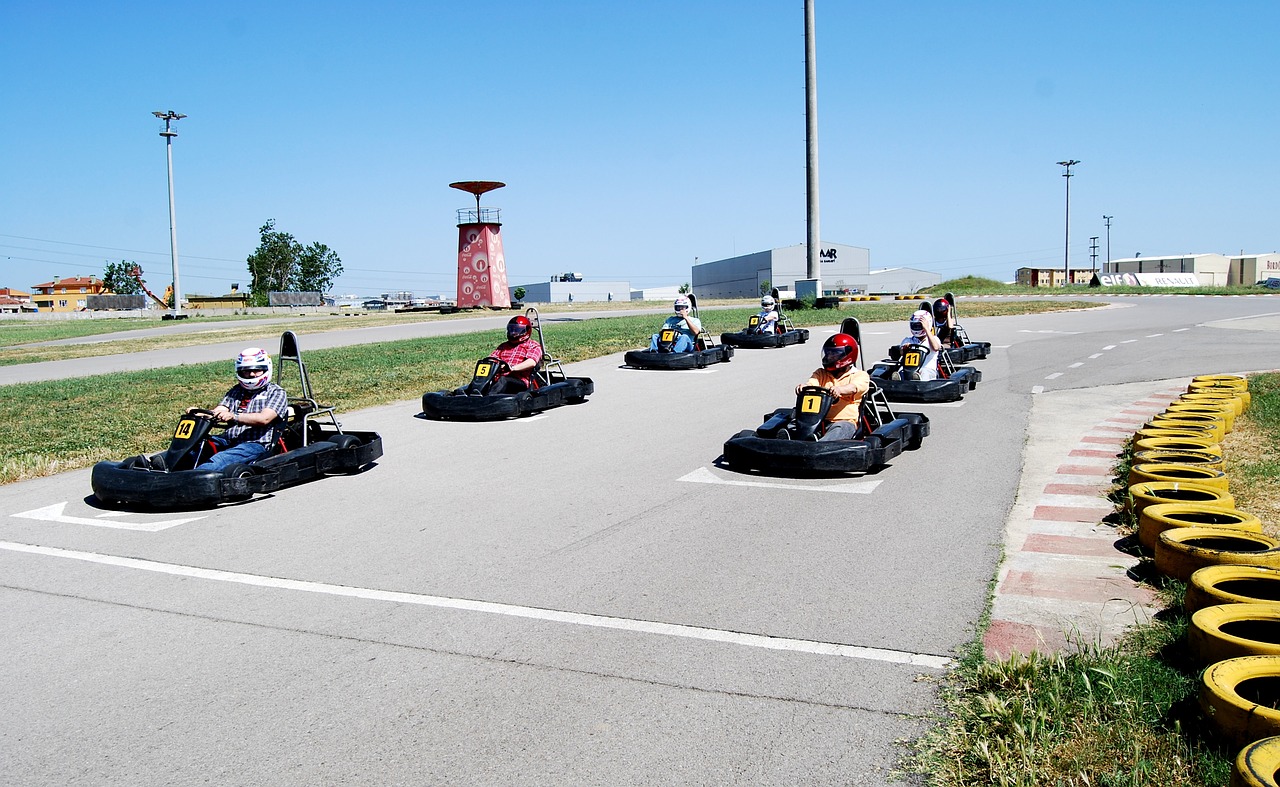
(1052, 277)
(66, 295)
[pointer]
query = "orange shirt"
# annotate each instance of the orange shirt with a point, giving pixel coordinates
(847, 407)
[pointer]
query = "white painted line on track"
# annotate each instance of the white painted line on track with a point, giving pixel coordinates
(1095, 355)
(510, 610)
(1180, 330)
(1054, 376)
(1154, 335)
(1076, 365)
(1037, 389)
(54, 513)
(1128, 341)
(668, 371)
(1109, 347)
(704, 476)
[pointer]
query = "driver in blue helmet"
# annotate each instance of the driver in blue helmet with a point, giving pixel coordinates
(686, 326)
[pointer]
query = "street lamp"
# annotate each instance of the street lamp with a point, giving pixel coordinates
(1066, 252)
(1108, 219)
(169, 134)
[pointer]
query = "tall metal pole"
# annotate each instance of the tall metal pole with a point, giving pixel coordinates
(811, 144)
(1107, 219)
(1066, 251)
(169, 134)
(1093, 252)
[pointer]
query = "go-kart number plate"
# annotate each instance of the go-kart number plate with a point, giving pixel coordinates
(186, 427)
(811, 404)
(668, 335)
(912, 358)
(483, 369)
(754, 321)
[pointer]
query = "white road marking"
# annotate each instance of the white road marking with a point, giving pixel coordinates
(704, 476)
(1095, 355)
(1180, 330)
(1109, 347)
(939, 404)
(1054, 376)
(510, 610)
(1037, 389)
(681, 371)
(1076, 365)
(1154, 335)
(54, 513)
(1128, 341)
(1001, 346)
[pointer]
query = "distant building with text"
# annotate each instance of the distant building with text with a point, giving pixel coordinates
(845, 269)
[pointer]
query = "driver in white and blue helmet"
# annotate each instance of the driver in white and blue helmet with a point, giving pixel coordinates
(684, 323)
(768, 315)
(252, 411)
(922, 333)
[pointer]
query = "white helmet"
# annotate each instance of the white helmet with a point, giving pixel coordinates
(253, 359)
(921, 323)
(767, 302)
(682, 302)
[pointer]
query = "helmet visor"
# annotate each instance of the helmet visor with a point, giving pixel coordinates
(834, 356)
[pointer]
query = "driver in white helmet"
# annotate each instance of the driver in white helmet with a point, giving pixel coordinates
(685, 324)
(252, 412)
(768, 315)
(922, 334)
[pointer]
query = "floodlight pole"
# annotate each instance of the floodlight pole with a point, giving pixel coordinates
(1066, 251)
(814, 266)
(1108, 219)
(169, 134)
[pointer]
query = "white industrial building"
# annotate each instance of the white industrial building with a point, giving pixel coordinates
(1213, 270)
(845, 270)
(574, 291)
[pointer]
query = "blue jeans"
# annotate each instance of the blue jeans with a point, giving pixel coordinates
(683, 343)
(240, 452)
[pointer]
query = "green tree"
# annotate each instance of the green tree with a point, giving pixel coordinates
(117, 278)
(685, 287)
(282, 264)
(765, 287)
(519, 293)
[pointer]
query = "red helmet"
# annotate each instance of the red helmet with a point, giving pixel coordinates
(839, 352)
(519, 328)
(940, 310)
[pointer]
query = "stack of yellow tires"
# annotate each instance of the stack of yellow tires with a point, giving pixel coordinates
(1186, 515)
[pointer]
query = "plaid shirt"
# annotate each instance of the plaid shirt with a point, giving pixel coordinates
(515, 352)
(269, 397)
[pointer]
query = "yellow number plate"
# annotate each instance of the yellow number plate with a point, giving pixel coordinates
(913, 359)
(483, 370)
(668, 335)
(185, 428)
(811, 404)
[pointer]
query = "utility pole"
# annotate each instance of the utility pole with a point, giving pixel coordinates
(814, 235)
(1066, 251)
(1093, 253)
(1108, 219)
(169, 134)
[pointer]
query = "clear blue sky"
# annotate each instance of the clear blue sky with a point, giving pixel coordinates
(633, 137)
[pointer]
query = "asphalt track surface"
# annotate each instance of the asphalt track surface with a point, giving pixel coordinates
(583, 596)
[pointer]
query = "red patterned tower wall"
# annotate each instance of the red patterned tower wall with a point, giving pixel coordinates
(482, 269)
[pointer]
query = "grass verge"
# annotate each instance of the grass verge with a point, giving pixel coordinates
(1125, 714)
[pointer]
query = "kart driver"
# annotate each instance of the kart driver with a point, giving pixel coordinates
(945, 319)
(922, 334)
(686, 326)
(522, 354)
(252, 411)
(849, 383)
(768, 315)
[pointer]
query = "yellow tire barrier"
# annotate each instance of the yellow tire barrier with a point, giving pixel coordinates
(1239, 696)
(1203, 476)
(1257, 764)
(1216, 424)
(1182, 550)
(1179, 443)
(1230, 380)
(1229, 631)
(1158, 518)
(1234, 402)
(1214, 585)
(1197, 432)
(1226, 411)
(1197, 458)
(1207, 387)
(1151, 493)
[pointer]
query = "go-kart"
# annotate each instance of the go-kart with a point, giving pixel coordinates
(789, 439)
(898, 376)
(705, 352)
(781, 333)
(475, 402)
(955, 339)
(311, 444)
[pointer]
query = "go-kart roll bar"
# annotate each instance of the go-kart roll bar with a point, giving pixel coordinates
(548, 360)
(305, 405)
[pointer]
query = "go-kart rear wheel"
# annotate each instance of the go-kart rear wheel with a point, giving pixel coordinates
(237, 470)
(343, 441)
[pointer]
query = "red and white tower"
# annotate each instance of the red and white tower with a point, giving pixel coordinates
(482, 268)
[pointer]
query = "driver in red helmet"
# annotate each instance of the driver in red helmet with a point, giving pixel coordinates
(522, 354)
(849, 383)
(945, 320)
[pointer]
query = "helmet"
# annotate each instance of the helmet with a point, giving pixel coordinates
(682, 302)
(253, 359)
(941, 309)
(519, 328)
(921, 322)
(767, 302)
(839, 352)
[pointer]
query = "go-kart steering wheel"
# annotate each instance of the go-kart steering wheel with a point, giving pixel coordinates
(201, 412)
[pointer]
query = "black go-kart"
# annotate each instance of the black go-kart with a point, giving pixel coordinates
(312, 444)
(898, 376)
(782, 333)
(955, 339)
(474, 402)
(789, 439)
(705, 352)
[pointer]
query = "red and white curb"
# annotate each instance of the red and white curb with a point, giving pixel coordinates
(1063, 583)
